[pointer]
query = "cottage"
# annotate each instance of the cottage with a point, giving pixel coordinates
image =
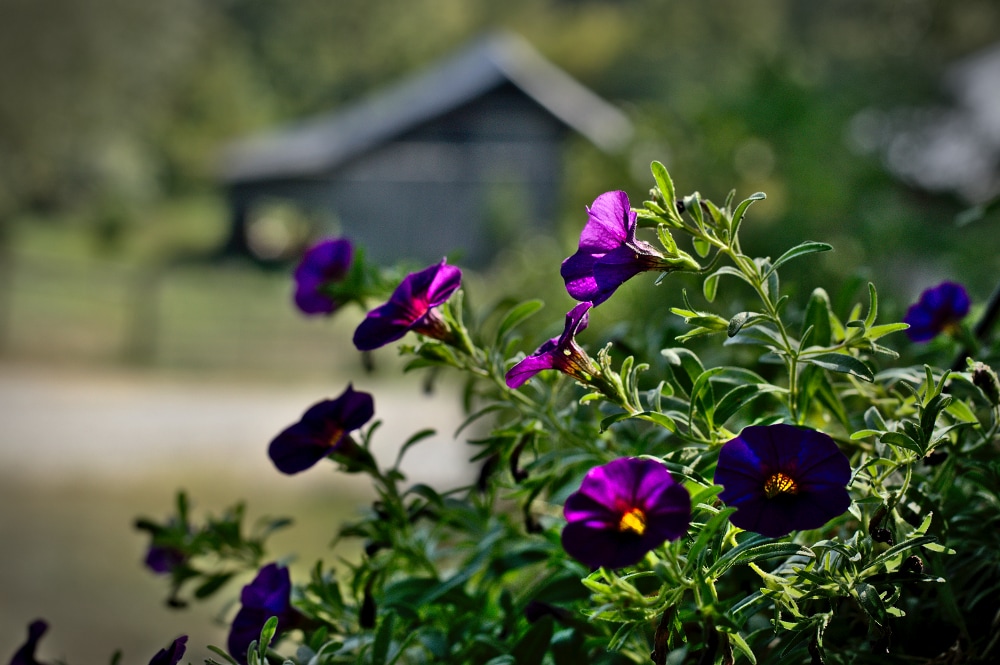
(453, 160)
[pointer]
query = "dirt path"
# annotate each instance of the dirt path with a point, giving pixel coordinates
(83, 453)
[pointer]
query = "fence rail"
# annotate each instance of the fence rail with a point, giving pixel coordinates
(205, 317)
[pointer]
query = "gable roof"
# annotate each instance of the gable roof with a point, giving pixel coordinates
(325, 142)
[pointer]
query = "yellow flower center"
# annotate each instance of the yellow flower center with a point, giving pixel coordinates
(634, 521)
(779, 483)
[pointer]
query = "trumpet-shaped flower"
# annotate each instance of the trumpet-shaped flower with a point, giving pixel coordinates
(268, 595)
(609, 253)
(324, 428)
(411, 307)
(782, 478)
(623, 510)
(561, 353)
(172, 654)
(25, 655)
(939, 308)
(326, 262)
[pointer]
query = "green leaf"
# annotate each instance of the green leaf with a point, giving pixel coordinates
(872, 306)
(266, 635)
(710, 287)
(212, 584)
(741, 211)
(818, 318)
(534, 644)
(875, 332)
(737, 322)
(843, 363)
(808, 247)
(739, 397)
(902, 440)
(665, 184)
(871, 602)
(752, 551)
(515, 316)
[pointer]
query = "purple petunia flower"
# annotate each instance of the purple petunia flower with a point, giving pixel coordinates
(411, 307)
(622, 510)
(561, 353)
(609, 253)
(268, 595)
(938, 309)
(326, 262)
(325, 428)
(162, 560)
(26, 654)
(783, 478)
(172, 654)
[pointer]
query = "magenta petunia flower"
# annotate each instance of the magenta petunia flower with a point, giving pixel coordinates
(172, 654)
(782, 478)
(624, 509)
(561, 353)
(324, 428)
(609, 253)
(411, 307)
(327, 262)
(25, 655)
(268, 595)
(939, 308)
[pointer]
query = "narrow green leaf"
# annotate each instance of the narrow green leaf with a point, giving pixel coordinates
(515, 316)
(871, 602)
(808, 247)
(665, 185)
(872, 306)
(737, 322)
(710, 287)
(875, 332)
(902, 440)
(534, 644)
(843, 363)
(756, 552)
(818, 318)
(741, 211)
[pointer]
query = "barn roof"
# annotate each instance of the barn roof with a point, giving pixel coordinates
(323, 143)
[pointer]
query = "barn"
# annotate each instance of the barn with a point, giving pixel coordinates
(457, 159)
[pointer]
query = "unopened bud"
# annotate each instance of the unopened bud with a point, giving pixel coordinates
(913, 565)
(986, 380)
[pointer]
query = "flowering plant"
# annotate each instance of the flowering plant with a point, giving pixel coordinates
(803, 497)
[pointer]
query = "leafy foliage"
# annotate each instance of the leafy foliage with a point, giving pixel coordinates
(478, 574)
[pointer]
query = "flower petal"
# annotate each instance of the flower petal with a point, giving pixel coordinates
(518, 374)
(609, 223)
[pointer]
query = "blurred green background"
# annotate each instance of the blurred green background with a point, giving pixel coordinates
(112, 113)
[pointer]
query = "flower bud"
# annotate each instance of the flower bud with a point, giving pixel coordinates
(984, 378)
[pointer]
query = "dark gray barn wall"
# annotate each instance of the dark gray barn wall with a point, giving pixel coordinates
(482, 174)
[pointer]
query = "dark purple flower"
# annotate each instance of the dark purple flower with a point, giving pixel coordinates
(411, 307)
(561, 353)
(622, 510)
(268, 595)
(172, 654)
(26, 654)
(326, 262)
(163, 559)
(609, 253)
(783, 478)
(939, 308)
(325, 428)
